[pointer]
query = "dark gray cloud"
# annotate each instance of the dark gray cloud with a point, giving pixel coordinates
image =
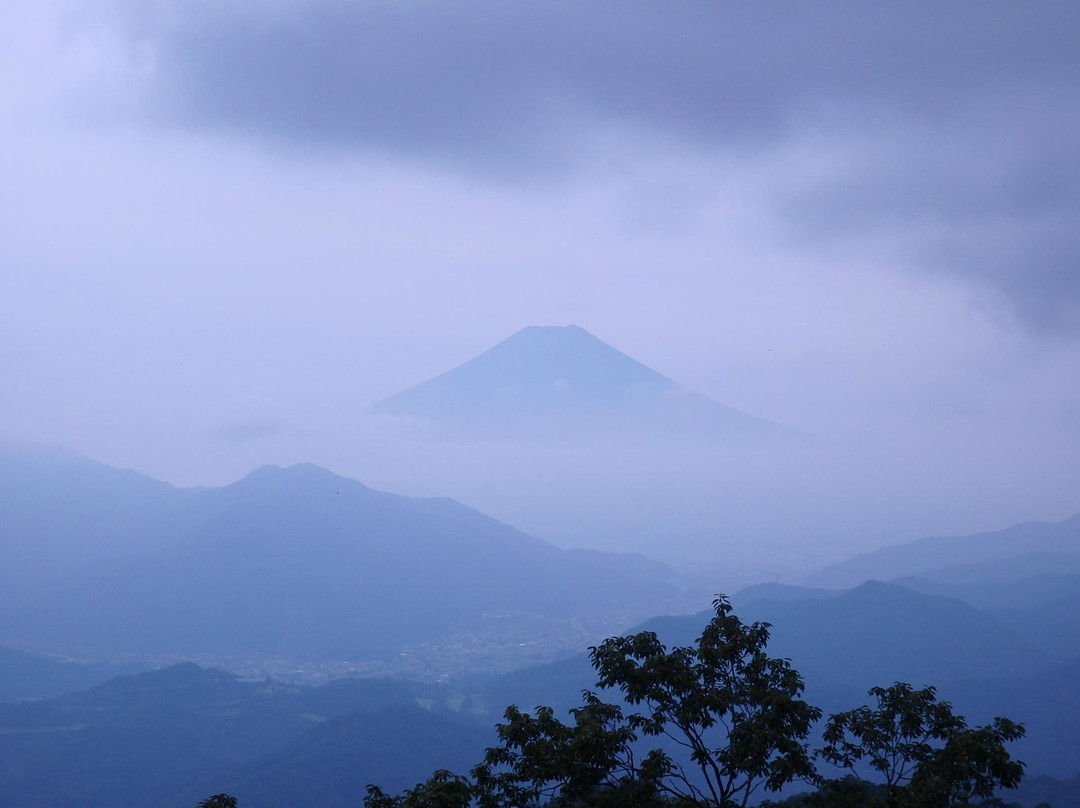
(964, 146)
(998, 207)
(482, 79)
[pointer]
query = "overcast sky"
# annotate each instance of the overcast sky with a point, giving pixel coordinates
(229, 226)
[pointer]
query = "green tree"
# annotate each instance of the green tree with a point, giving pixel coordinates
(218, 801)
(927, 755)
(740, 718)
(540, 759)
(844, 792)
(737, 712)
(442, 790)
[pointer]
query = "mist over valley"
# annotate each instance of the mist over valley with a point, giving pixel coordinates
(325, 621)
(539, 405)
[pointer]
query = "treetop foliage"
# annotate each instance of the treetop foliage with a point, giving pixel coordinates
(737, 712)
(218, 801)
(925, 753)
(741, 726)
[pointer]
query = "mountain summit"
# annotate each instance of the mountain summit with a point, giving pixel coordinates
(286, 562)
(562, 383)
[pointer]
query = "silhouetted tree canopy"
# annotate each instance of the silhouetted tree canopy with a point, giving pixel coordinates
(740, 720)
(218, 801)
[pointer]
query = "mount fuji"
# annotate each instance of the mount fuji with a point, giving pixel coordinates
(560, 383)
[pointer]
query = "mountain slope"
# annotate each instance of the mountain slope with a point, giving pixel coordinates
(26, 676)
(879, 633)
(548, 383)
(1046, 702)
(1015, 552)
(137, 740)
(302, 562)
(847, 642)
(61, 512)
(332, 764)
(1010, 593)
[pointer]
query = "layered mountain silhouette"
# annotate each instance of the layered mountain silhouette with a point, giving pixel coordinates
(173, 736)
(560, 383)
(1018, 663)
(335, 761)
(1021, 551)
(850, 640)
(62, 514)
(291, 561)
(26, 676)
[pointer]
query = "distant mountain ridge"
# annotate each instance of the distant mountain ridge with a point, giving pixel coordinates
(334, 762)
(292, 561)
(551, 383)
(26, 676)
(1020, 663)
(174, 736)
(1023, 550)
(61, 512)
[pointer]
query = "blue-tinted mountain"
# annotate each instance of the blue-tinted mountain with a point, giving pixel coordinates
(1052, 626)
(778, 592)
(300, 562)
(983, 661)
(61, 513)
(148, 739)
(26, 676)
(332, 764)
(174, 736)
(1047, 702)
(847, 642)
(879, 633)
(1042, 589)
(1020, 551)
(1043, 791)
(560, 383)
